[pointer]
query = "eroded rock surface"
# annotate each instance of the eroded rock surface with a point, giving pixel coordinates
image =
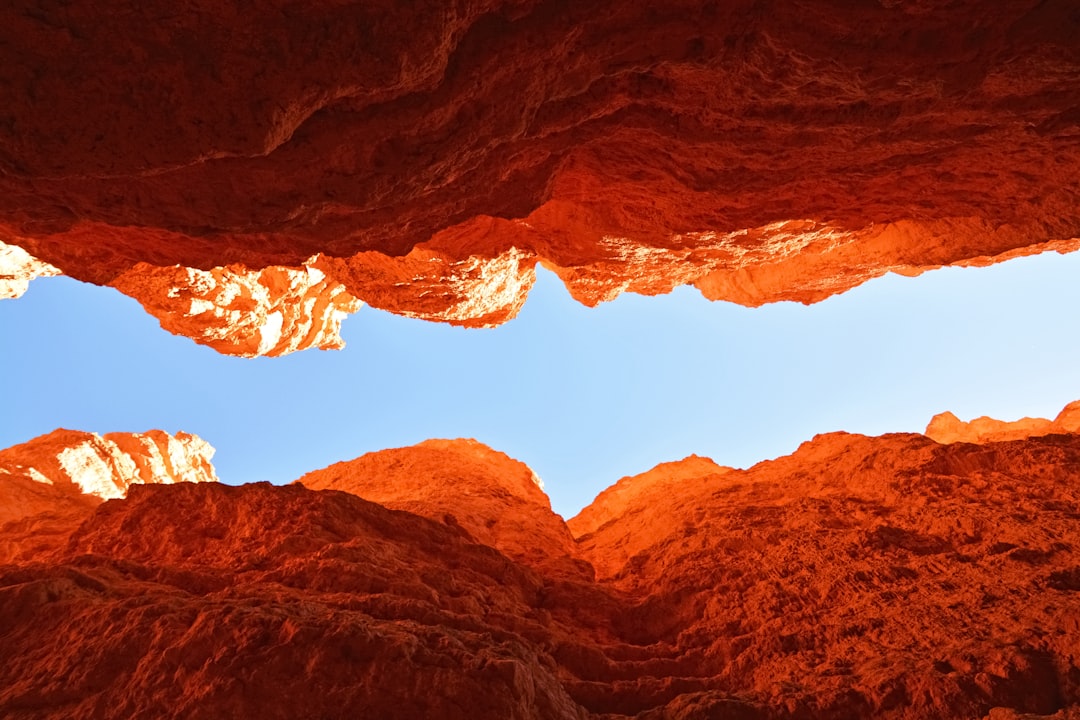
(891, 577)
(106, 466)
(430, 155)
(274, 311)
(17, 269)
(51, 483)
(499, 501)
(947, 428)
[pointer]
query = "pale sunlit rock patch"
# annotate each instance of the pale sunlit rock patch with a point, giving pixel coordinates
(106, 466)
(273, 311)
(18, 268)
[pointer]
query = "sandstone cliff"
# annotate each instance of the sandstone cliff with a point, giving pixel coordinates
(425, 157)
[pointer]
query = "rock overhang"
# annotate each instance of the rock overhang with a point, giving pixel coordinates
(424, 159)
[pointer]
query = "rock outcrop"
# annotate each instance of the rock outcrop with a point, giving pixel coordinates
(248, 313)
(17, 269)
(497, 500)
(892, 577)
(425, 157)
(206, 600)
(947, 428)
(52, 483)
(104, 467)
(621, 510)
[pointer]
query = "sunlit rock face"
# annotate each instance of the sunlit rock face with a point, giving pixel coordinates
(104, 467)
(432, 154)
(947, 428)
(885, 577)
(17, 269)
(49, 485)
(274, 311)
(613, 512)
(862, 577)
(497, 500)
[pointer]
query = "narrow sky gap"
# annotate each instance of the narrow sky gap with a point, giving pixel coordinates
(584, 396)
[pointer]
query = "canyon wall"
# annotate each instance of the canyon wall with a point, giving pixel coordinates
(424, 158)
(888, 577)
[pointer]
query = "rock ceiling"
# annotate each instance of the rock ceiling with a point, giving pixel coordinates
(251, 177)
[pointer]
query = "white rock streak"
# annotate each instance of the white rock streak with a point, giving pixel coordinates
(38, 477)
(99, 468)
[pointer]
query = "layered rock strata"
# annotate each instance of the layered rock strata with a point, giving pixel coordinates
(425, 157)
(892, 577)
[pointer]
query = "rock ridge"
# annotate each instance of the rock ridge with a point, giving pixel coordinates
(947, 428)
(892, 577)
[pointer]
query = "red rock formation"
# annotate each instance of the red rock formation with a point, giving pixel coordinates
(51, 483)
(891, 577)
(497, 500)
(947, 428)
(620, 509)
(426, 156)
(209, 601)
(860, 577)
(274, 311)
(105, 467)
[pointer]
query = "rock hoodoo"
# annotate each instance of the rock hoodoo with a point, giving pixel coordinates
(423, 158)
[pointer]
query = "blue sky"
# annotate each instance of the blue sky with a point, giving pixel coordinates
(584, 396)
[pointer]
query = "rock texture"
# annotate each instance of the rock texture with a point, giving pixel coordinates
(274, 311)
(497, 500)
(892, 577)
(947, 428)
(425, 157)
(858, 577)
(17, 269)
(106, 466)
(53, 482)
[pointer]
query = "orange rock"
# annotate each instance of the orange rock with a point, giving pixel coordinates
(429, 155)
(51, 483)
(947, 428)
(204, 600)
(617, 511)
(892, 577)
(498, 501)
(274, 311)
(106, 466)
